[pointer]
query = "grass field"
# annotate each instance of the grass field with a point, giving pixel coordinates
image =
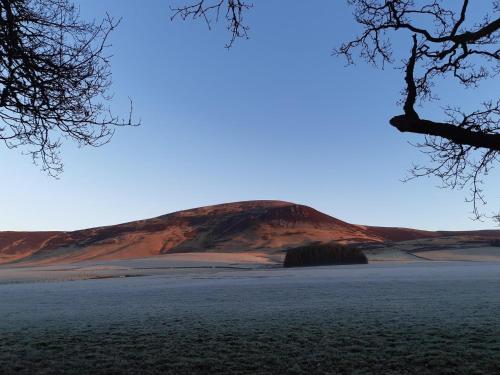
(394, 319)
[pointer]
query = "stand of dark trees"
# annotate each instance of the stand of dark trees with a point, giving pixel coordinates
(323, 254)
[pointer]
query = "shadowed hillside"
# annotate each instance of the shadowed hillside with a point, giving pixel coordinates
(268, 226)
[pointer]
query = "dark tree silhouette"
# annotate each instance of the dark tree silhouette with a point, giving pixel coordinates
(54, 79)
(442, 43)
(209, 10)
(464, 146)
(318, 254)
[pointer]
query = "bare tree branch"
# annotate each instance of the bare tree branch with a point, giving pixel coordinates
(462, 147)
(209, 10)
(54, 79)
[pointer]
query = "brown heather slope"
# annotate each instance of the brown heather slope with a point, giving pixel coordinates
(18, 245)
(269, 226)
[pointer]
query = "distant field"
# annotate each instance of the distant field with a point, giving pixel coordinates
(182, 264)
(468, 254)
(420, 318)
(436, 249)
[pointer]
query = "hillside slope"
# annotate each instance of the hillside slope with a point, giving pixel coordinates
(269, 226)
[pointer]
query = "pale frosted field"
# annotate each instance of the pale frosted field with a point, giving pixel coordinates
(186, 264)
(433, 250)
(469, 254)
(417, 318)
(173, 265)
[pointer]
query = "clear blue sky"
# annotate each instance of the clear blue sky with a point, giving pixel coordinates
(275, 117)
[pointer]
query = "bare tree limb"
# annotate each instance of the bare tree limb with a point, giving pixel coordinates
(54, 79)
(464, 147)
(210, 10)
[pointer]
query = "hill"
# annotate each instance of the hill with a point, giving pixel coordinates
(269, 226)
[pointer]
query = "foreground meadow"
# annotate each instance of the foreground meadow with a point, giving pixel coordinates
(432, 318)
